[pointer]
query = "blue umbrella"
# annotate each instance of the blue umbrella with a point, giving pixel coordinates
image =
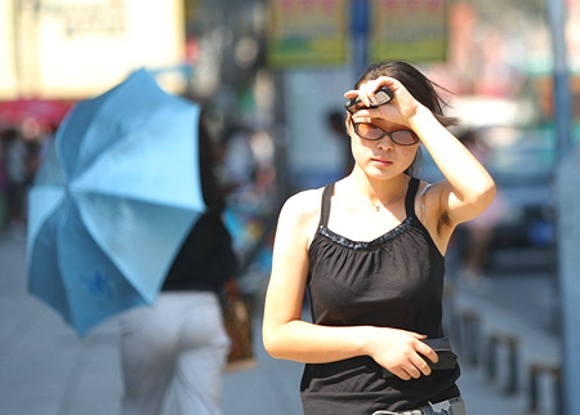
(116, 195)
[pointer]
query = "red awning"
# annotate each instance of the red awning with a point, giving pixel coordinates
(48, 112)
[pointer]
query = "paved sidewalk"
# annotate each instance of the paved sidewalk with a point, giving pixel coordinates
(533, 345)
(46, 370)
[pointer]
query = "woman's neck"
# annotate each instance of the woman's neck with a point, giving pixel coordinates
(375, 192)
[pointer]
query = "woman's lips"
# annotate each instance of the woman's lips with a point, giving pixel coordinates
(382, 162)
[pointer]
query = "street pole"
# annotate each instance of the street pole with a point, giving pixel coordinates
(568, 208)
(562, 99)
(359, 29)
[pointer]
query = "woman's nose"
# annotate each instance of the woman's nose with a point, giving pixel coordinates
(386, 143)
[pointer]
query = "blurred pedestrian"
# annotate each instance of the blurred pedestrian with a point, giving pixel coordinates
(17, 175)
(181, 341)
(479, 231)
(338, 130)
(3, 179)
(239, 161)
(370, 250)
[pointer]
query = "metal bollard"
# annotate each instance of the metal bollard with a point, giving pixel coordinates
(536, 370)
(511, 343)
(469, 335)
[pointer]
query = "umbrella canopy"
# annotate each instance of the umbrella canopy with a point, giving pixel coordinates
(114, 199)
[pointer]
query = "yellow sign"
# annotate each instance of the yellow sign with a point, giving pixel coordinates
(412, 30)
(307, 32)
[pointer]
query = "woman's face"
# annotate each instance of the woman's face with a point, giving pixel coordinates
(382, 158)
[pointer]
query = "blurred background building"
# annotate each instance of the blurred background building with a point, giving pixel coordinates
(271, 70)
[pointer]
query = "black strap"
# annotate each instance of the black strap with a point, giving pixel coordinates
(410, 199)
(325, 206)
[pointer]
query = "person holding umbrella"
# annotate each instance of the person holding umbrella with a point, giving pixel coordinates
(181, 341)
(370, 250)
(125, 214)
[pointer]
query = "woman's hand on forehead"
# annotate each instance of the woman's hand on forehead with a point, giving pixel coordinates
(367, 90)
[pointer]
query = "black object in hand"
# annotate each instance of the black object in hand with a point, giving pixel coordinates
(447, 359)
(383, 96)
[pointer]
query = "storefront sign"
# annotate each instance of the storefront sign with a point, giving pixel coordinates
(413, 30)
(307, 32)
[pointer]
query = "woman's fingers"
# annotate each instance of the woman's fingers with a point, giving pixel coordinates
(428, 352)
(366, 93)
(403, 374)
(422, 366)
(416, 365)
(416, 335)
(414, 369)
(403, 353)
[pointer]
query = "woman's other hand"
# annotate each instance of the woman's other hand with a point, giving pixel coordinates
(401, 352)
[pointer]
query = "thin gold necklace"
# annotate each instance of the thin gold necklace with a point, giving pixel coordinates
(388, 202)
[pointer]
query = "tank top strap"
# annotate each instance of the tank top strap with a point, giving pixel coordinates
(410, 199)
(325, 205)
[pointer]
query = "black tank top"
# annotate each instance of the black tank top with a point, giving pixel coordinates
(396, 281)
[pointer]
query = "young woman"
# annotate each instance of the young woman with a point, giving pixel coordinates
(370, 250)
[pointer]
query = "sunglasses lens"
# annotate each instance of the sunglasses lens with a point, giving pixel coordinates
(404, 137)
(368, 131)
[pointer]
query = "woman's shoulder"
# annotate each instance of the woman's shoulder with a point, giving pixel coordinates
(304, 201)
(298, 218)
(302, 206)
(432, 190)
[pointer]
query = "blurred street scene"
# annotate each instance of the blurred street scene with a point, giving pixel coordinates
(45, 369)
(269, 73)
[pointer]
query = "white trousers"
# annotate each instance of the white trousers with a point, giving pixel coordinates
(180, 342)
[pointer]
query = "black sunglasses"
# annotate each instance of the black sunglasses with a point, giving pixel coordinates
(374, 133)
